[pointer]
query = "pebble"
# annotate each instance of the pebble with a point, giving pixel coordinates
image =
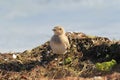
(56, 59)
(5, 59)
(14, 56)
(98, 78)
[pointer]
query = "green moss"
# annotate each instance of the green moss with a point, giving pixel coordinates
(67, 60)
(106, 66)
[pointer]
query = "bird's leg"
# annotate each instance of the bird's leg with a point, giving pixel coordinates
(63, 60)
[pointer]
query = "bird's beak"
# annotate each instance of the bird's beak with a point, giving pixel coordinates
(53, 30)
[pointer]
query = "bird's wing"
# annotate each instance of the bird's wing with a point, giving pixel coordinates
(66, 42)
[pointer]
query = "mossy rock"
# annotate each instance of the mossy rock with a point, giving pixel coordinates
(106, 66)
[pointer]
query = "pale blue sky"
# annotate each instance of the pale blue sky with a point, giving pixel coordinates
(25, 24)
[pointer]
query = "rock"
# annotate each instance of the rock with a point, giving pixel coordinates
(98, 78)
(14, 56)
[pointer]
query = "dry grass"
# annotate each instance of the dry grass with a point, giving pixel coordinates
(41, 64)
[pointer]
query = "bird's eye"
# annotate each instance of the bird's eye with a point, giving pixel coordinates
(60, 29)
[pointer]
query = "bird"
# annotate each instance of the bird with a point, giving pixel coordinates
(59, 42)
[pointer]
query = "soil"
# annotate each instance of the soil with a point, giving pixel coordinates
(79, 63)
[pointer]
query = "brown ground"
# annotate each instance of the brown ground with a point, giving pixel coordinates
(78, 64)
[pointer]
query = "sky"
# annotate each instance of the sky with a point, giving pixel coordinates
(25, 24)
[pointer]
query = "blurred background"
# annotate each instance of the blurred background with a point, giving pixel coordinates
(25, 24)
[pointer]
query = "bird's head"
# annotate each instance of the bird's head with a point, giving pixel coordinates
(58, 30)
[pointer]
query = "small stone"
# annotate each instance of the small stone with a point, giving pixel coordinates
(14, 56)
(5, 59)
(41, 56)
(48, 52)
(60, 62)
(56, 59)
(98, 78)
(74, 45)
(40, 61)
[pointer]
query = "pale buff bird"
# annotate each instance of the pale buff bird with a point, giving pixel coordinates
(59, 42)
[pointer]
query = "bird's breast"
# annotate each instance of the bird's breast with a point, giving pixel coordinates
(58, 48)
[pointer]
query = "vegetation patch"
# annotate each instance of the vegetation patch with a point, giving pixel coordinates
(87, 57)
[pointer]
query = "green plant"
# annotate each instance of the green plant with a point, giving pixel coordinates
(106, 66)
(67, 60)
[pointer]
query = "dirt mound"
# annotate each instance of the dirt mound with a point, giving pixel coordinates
(79, 62)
